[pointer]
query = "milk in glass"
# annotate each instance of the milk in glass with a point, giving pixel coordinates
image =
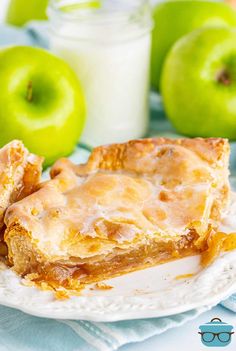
(108, 46)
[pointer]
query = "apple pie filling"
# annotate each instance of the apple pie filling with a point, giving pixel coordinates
(111, 265)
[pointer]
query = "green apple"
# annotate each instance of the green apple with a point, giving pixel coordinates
(174, 19)
(41, 102)
(22, 11)
(198, 83)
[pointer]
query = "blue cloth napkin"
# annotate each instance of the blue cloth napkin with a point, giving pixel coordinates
(22, 332)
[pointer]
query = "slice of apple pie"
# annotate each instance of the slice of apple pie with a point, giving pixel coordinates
(19, 174)
(131, 206)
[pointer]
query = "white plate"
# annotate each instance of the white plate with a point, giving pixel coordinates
(153, 292)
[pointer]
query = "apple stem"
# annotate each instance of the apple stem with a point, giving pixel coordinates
(224, 78)
(29, 91)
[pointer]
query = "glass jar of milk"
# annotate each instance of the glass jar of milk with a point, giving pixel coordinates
(107, 43)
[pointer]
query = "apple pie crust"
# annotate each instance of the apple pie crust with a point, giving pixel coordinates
(20, 172)
(131, 206)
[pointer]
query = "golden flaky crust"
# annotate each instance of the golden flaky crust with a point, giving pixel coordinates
(20, 172)
(136, 155)
(128, 199)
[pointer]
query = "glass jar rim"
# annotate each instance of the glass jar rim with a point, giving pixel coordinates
(91, 12)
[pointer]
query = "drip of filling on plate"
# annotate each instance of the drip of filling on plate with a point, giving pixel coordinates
(131, 206)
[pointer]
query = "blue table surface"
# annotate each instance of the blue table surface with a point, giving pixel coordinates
(186, 337)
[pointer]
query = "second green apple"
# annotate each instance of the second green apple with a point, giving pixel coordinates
(22, 11)
(173, 19)
(199, 83)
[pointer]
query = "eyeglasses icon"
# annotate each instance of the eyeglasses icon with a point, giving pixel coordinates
(222, 337)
